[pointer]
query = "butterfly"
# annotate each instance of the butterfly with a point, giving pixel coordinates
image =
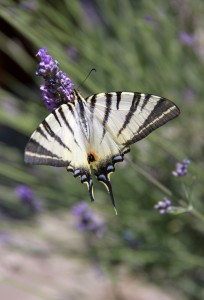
(96, 132)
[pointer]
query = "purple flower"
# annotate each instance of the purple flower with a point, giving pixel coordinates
(58, 87)
(130, 239)
(91, 12)
(4, 238)
(181, 168)
(187, 38)
(189, 95)
(151, 20)
(87, 220)
(80, 209)
(73, 53)
(27, 197)
(24, 193)
(31, 5)
(164, 206)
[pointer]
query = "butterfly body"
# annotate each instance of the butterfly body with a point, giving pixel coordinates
(96, 132)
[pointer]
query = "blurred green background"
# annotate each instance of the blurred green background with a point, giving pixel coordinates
(146, 46)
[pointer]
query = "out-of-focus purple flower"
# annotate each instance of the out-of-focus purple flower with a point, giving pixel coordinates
(80, 208)
(24, 193)
(27, 197)
(73, 53)
(29, 5)
(4, 237)
(181, 168)
(58, 88)
(187, 38)
(87, 220)
(189, 95)
(164, 206)
(151, 20)
(131, 240)
(90, 9)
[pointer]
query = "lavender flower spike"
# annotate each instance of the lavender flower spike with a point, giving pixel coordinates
(164, 206)
(87, 220)
(58, 87)
(27, 197)
(24, 193)
(187, 38)
(181, 168)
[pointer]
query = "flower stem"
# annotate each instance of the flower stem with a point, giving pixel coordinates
(150, 178)
(196, 213)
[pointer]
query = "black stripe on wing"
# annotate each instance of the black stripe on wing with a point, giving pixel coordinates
(132, 110)
(83, 121)
(164, 111)
(37, 154)
(34, 147)
(62, 115)
(56, 117)
(53, 135)
(107, 111)
(71, 108)
(145, 101)
(41, 132)
(92, 103)
(118, 97)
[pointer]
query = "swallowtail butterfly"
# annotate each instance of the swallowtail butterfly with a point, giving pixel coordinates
(96, 132)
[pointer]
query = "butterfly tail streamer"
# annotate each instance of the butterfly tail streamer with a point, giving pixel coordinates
(105, 180)
(86, 178)
(110, 191)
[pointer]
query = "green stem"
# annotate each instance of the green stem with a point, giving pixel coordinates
(151, 179)
(196, 213)
(190, 198)
(186, 194)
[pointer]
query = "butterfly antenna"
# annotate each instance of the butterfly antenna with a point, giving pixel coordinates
(86, 77)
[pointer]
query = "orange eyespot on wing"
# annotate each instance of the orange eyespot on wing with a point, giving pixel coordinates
(91, 157)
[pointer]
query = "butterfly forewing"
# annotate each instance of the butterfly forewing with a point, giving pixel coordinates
(130, 117)
(57, 141)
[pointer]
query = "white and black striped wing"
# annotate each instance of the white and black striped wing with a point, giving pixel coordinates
(129, 117)
(120, 119)
(97, 132)
(58, 141)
